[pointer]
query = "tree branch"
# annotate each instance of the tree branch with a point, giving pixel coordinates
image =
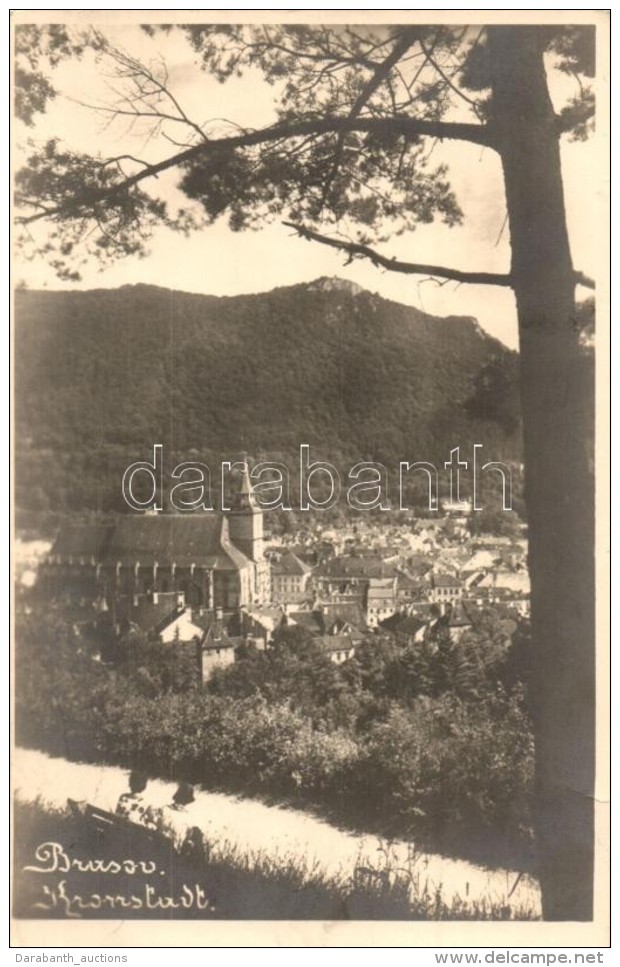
(585, 280)
(405, 126)
(429, 57)
(355, 250)
(404, 42)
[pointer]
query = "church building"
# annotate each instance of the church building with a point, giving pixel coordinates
(215, 559)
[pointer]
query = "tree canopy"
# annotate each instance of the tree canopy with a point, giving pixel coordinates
(359, 111)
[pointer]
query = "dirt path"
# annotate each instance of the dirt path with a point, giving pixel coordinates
(253, 826)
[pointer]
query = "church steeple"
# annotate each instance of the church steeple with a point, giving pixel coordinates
(243, 498)
(246, 519)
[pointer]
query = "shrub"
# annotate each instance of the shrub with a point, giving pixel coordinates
(453, 771)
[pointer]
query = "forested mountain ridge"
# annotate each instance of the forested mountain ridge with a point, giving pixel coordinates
(102, 375)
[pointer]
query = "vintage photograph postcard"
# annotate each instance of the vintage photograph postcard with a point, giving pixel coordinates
(309, 509)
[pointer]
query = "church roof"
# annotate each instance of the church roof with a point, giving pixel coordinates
(82, 541)
(182, 539)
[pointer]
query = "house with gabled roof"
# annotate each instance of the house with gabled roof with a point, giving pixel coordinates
(446, 588)
(380, 599)
(407, 629)
(330, 619)
(165, 617)
(338, 648)
(289, 578)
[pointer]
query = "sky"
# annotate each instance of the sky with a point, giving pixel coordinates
(217, 261)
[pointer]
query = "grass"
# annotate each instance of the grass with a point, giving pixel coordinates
(234, 884)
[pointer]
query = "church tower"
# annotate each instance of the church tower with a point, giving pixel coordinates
(245, 520)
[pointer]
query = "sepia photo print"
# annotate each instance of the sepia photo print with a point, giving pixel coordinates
(305, 471)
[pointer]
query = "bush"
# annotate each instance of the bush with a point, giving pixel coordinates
(451, 769)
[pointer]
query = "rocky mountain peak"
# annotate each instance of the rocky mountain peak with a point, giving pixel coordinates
(335, 284)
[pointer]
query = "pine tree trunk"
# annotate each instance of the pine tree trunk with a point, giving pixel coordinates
(557, 400)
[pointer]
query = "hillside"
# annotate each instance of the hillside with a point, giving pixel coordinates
(102, 375)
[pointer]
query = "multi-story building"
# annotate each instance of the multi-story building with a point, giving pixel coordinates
(289, 578)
